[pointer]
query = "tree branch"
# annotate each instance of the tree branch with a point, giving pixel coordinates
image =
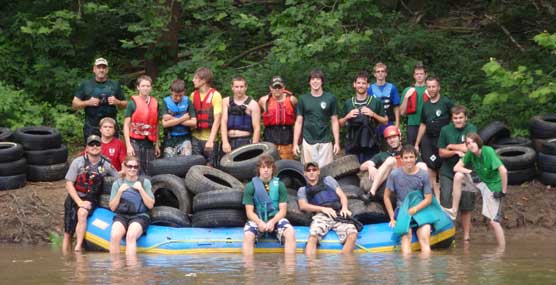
(493, 19)
(243, 54)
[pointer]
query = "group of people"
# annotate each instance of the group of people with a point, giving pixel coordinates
(443, 156)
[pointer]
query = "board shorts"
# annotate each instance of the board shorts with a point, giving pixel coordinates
(322, 224)
(279, 229)
(70, 214)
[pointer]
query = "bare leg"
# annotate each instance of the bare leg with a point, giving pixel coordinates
(311, 248)
(118, 231)
(134, 232)
(498, 233)
(81, 228)
(248, 241)
(423, 234)
(66, 243)
(349, 245)
(436, 188)
(406, 243)
(289, 241)
(382, 173)
(466, 224)
(456, 191)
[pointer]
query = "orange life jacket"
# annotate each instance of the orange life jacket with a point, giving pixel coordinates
(203, 109)
(144, 121)
(279, 113)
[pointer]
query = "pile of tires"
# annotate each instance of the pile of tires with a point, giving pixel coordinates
(546, 160)
(241, 162)
(46, 155)
(542, 128)
(6, 135)
(520, 163)
(13, 166)
(178, 166)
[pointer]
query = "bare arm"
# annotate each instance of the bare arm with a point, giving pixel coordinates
(389, 208)
(403, 106)
(73, 193)
(336, 133)
(423, 204)
(255, 121)
(297, 133)
(504, 178)
(77, 103)
(127, 139)
(459, 167)
(262, 103)
(171, 121)
(224, 128)
(420, 134)
(397, 116)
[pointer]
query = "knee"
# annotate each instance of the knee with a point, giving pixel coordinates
(289, 233)
(82, 215)
(364, 166)
(458, 177)
(249, 237)
(390, 162)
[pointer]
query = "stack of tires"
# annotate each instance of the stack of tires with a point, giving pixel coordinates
(46, 155)
(217, 198)
(13, 166)
(543, 132)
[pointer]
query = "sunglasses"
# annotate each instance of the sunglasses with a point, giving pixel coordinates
(312, 169)
(278, 87)
(132, 166)
(97, 144)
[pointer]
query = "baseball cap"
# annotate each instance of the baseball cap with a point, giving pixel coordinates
(276, 81)
(311, 163)
(93, 138)
(101, 61)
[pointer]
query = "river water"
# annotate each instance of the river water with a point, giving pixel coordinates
(522, 262)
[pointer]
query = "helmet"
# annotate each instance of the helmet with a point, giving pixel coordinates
(391, 131)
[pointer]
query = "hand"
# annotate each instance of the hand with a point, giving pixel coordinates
(111, 100)
(270, 225)
(226, 147)
(409, 92)
(93, 101)
(329, 212)
(261, 226)
(345, 213)
(156, 150)
(372, 173)
(123, 187)
(416, 147)
(296, 150)
(137, 185)
(353, 113)
(499, 195)
(130, 151)
(460, 153)
(336, 148)
(392, 223)
(367, 111)
(209, 145)
(85, 204)
(412, 211)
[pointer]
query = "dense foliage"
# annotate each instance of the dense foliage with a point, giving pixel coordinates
(490, 55)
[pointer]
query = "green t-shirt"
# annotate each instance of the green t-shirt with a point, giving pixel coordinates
(415, 118)
(486, 166)
(101, 90)
(436, 111)
(316, 113)
(450, 135)
(374, 104)
(249, 193)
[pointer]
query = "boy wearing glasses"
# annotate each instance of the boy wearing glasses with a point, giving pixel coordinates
(387, 93)
(278, 112)
(83, 183)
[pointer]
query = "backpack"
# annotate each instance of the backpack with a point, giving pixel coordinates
(131, 202)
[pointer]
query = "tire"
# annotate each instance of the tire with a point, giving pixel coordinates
(494, 131)
(373, 213)
(13, 167)
(218, 199)
(10, 151)
(217, 218)
(356, 206)
(107, 184)
(352, 180)
(343, 166)
(546, 162)
(104, 201)
(352, 192)
(47, 156)
(517, 157)
(517, 177)
(52, 172)
(202, 178)
(515, 141)
(290, 173)
(549, 147)
(242, 162)
(38, 138)
(169, 217)
(295, 215)
(543, 127)
(6, 135)
(548, 178)
(178, 166)
(13, 181)
(169, 190)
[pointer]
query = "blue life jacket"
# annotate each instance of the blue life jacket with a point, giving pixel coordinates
(131, 202)
(384, 96)
(266, 203)
(177, 110)
(238, 119)
(323, 194)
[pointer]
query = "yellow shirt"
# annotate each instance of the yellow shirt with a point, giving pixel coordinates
(204, 134)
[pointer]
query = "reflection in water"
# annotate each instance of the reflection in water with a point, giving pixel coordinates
(531, 262)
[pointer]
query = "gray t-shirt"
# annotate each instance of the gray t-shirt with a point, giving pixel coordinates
(328, 180)
(402, 183)
(116, 185)
(78, 166)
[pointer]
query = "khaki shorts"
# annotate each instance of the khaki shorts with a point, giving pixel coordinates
(322, 224)
(467, 202)
(322, 153)
(492, 207)
(285, 151)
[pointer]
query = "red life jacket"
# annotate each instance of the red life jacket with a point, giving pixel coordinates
(279, 113)
(144, 121)
(412, 102)
(91, 178)
(203, 109)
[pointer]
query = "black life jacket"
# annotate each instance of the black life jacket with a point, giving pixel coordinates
(90, 180)
(324, 195)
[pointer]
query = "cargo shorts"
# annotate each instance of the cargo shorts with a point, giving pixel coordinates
(322, 224)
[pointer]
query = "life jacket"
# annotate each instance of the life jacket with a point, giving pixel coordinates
(384, 96)
(177, 110)
(238, 119)
(361, 132)
(279, 113)
(131, 202)
(144, 121)
(411, 106)
(90, 180)
(203, 109)
(266, 203)
(323, 194)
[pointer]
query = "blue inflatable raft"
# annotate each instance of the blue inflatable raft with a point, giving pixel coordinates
(168, 240)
